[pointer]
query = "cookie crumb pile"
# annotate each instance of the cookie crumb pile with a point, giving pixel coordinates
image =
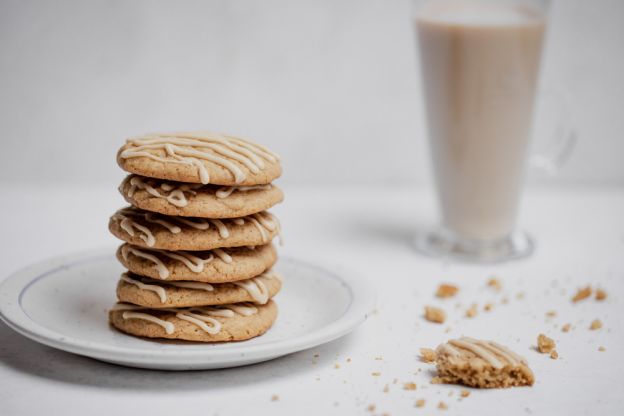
(197, 238)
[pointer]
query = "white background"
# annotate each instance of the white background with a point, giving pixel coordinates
(331, 85)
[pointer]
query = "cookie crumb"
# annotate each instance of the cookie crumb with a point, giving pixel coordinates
(601, 348)
(446, 291)
(551, 314)
(442, 406)
(427, 355)
(437, 380)
(420, 403)
(409, 386)
(554, 354)
(596, 324)
(464, 393)
(581, 294)
(371, 408)
(566, 328)
(375, 374)
(472, 311)
(348, 360)
(495, 284)
(601, 294)
(386, 389)
(544, 344)
(433, 314)
(274, 398)
(488, 307)
(336, 366)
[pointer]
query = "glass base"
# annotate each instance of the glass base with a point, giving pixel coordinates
(442, 243)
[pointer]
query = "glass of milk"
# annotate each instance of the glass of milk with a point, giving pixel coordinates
(480, 63)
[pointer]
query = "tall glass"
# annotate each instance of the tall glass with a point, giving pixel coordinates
(480, 62)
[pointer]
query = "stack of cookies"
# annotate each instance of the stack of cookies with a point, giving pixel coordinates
(197, 238)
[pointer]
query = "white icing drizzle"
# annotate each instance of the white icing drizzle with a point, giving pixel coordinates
(200, 321)
(168, 326)
(226, 191)
(128, 225)
(225, 257)
(494, 354)
(143, 286)
(193, 285)
(193, 262)
(254, 286)
(263, 221)
(176, 193)
(243, 309)
(200, 224)
(256, 289)
(163, 271)
(195, 148)
(270, 274)
(151, 217)
(197, 316)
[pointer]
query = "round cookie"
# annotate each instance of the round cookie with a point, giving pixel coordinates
(213, 266)
(148, 229)
(155, 294)
(199, 157)
(195, 324)
(197, 200)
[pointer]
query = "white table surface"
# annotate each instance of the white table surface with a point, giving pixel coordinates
(581, 241)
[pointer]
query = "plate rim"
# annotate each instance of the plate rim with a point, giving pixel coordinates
(12, 288)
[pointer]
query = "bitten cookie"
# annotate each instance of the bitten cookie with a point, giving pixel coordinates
(212, 266)
(152, 293)
(147, 229)
(236, 322)
(483, 364)
(197, 200)
(199, 157)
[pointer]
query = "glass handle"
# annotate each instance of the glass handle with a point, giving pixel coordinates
(556, 138)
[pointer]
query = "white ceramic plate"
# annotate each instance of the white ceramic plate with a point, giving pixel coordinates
(63, 303)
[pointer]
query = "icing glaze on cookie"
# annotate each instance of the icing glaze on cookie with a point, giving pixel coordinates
(256, 289)
(199, 316)
(226, 191)
(254, 286)
(159, 290)
(194, 148)
(130, 220)
(194, 263)
(175, 194)
(129, 313)
(498, 356)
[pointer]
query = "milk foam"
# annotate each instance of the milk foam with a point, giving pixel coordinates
(468, 13)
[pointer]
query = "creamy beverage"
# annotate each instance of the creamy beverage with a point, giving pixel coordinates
(480, 63)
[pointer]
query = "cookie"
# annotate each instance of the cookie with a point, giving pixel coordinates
(199, 157)
(152, 293)
(148, 229)
(233, 322)
(211, 266)
(482, 364)
(197, 200)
